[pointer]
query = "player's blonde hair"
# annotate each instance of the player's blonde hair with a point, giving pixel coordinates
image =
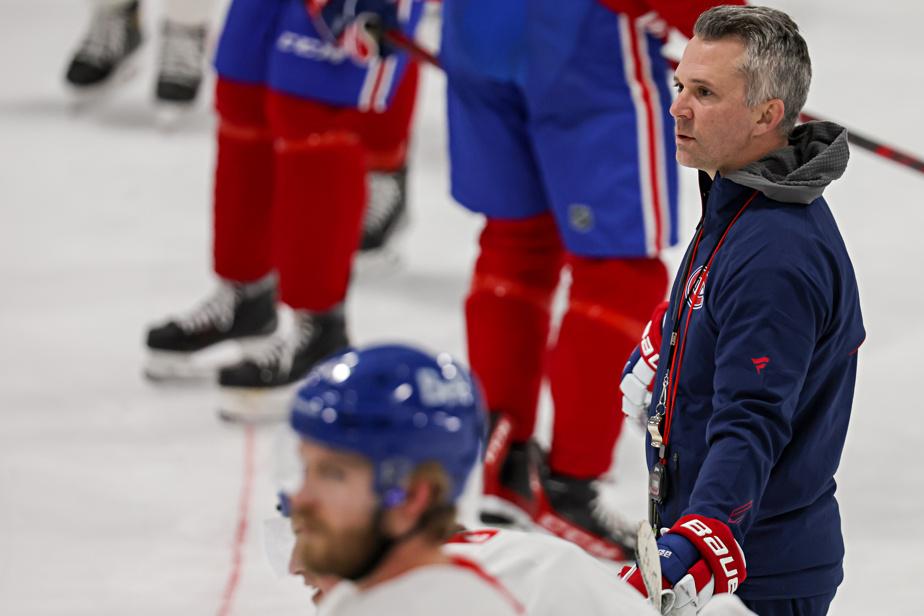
(438, 522)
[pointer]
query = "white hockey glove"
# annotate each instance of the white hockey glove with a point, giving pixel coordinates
(690, 594)
(638, 375)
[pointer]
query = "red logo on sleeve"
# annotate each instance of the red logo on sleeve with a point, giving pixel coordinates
(760, 363)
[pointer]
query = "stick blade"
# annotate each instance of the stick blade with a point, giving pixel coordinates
(649, 563)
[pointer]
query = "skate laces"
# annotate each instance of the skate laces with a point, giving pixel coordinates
(106, 38)
(281, 349)
(384, 195)
(216, 311)
(181, 52)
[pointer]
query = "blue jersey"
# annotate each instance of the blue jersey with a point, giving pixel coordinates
(562, 107)
(275, 42)
(764, 368)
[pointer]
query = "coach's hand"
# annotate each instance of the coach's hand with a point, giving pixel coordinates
(699, 557)
(638, 375)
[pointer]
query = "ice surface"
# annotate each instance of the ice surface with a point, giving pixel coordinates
(120, 497)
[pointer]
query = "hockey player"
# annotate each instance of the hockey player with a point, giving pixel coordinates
(387, 438)
(758, 346)
(548, 575)
(557, 134)
(556, 116)
(301, 123)
(114, 36)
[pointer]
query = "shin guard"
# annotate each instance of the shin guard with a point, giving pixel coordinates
(243, 191)
(320, 191)
(507, 313)
(609, 304)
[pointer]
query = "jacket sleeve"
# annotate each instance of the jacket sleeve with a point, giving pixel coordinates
(768, 314)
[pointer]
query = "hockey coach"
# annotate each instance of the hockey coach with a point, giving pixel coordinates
(752, 386)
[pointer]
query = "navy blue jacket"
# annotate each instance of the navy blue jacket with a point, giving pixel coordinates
(768, 369)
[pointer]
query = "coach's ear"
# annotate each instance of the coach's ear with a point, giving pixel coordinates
(767, 116)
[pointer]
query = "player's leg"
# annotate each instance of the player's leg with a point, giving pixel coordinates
(385, 135)
(243, 307)
(182, 50)
(318, 196)
(614, 197)
(107, 51)
(317, 115)
(520, 256)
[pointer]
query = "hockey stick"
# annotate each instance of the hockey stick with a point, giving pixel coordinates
(876, 147)
(649, 563)
(402, 41)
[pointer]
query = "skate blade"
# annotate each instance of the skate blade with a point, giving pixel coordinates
(175, 367)
(171, 116)
(84, 97)
(256, 406)
(373, 264)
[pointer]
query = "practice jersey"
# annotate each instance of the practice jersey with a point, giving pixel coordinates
(459, 588)
(276, 43)
(548, 575)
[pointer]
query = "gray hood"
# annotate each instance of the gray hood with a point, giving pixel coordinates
(798, 173)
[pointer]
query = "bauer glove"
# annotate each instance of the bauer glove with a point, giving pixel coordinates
(638, 375)
(699, 557)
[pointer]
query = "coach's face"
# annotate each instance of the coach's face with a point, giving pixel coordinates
(333, 512)
(714, 125)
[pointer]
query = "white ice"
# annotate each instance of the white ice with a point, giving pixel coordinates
(119, 497)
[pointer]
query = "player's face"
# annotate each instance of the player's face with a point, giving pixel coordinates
(713, 123)
(333, 512)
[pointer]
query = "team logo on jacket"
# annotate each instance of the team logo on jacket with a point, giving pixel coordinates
(695, 289)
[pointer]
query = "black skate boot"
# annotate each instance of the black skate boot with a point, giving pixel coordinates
(182, 58)
(510, 469)
(188, 346)
(569, 508)
(254, 390)
(386, 208)
(108, 47)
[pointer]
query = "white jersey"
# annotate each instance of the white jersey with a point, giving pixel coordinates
(460, 588)
(550, 576)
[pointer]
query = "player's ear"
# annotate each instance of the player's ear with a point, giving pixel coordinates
(405, 516)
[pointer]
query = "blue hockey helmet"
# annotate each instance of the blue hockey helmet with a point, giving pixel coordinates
(398, 407)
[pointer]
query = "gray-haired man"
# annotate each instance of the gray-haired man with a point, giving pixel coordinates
(754, 386)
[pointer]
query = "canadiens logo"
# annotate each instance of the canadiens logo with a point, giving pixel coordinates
(695, 289)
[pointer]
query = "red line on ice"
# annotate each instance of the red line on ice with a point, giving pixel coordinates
(237, 553)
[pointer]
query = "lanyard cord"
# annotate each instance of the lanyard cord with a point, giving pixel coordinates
(675, 359)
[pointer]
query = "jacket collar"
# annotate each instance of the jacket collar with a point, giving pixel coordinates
(721, 199)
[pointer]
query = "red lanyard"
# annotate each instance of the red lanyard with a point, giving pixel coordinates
(665, 407)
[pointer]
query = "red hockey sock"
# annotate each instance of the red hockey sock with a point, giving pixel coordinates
(320, 191)
(610, 302)
(507, 313)
(243, 183)
(385, 134)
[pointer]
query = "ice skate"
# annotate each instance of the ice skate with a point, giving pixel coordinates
(384, 220)
(107, 56)
(180, 69)
(214, 334)
(257, 389)
(510, 470)
(570, 508)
